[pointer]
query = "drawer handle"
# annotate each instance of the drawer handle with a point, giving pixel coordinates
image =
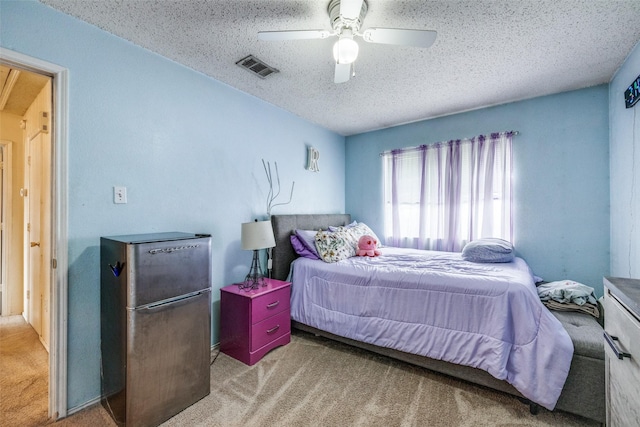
(619, 353)
(272, 330)
(273, 304)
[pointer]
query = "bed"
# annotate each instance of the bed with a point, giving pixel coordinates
(439, 317)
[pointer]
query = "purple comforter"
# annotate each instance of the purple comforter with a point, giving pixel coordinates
(436, 304)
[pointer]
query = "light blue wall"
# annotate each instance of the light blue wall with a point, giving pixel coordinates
(561, 179)
(625, 172)
(188, 149)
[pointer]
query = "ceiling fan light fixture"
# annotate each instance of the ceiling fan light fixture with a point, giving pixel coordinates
(345, 50)
(346, 18)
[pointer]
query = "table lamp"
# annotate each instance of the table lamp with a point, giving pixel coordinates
(255, 236)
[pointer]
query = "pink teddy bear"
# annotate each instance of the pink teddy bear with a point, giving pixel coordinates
(367, 246)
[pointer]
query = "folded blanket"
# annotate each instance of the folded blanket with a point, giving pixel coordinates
(588, 308)
(566, 291)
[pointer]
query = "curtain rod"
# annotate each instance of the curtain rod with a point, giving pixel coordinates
(513, 132)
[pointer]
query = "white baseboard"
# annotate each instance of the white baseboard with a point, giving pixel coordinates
(85, 405)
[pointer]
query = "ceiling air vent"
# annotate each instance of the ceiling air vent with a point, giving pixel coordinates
(255, 66)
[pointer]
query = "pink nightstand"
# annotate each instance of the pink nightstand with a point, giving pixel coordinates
(254, 322)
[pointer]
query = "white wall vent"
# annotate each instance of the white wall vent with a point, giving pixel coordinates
(256, 66)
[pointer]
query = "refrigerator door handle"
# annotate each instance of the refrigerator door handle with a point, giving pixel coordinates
(172, 300)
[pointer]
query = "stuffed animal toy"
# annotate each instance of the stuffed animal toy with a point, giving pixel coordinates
(367, 246)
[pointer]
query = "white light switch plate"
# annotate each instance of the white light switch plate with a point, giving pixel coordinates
(119, 194)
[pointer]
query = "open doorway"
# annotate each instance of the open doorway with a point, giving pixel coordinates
(36, 245)
(26, 105)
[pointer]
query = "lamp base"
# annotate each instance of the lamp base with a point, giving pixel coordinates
(255, 278)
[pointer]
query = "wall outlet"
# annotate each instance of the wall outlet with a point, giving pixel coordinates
(119, 195)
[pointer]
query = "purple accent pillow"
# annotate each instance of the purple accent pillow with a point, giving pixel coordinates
(304, 243)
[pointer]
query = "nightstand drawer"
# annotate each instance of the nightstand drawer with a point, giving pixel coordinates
(268, 330)
(270, 304)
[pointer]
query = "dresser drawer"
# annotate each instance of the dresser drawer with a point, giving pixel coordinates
(269, 304)
(270, 329)
(623, 375)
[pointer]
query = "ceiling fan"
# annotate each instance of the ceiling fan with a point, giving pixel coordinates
(346, 17)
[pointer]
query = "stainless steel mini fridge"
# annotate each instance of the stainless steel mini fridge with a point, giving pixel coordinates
(155, 301)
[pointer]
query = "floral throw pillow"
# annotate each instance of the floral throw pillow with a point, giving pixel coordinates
(335, 246)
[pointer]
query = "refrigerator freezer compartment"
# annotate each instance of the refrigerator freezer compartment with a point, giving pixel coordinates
(151, 270)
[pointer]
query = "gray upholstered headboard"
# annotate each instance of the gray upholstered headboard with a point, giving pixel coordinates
(283, 225)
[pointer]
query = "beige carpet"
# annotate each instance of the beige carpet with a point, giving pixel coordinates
(318, 382)
(24, 374)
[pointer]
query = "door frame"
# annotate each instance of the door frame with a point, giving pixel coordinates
(59, 224)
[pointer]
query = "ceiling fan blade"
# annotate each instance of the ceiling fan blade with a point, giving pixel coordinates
(350, 9)
(293, 35)
(343, 72)
(402, 37)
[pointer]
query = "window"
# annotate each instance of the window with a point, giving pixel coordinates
(443, 195)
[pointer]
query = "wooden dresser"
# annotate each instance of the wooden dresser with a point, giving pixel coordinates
(622, 351)
(254, 322)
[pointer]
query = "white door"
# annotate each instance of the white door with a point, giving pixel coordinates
(37, 245)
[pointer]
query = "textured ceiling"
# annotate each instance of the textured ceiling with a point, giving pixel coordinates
(486, 53)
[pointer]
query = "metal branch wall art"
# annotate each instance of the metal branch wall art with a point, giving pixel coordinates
(272, 195)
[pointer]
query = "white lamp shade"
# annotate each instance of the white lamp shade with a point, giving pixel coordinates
(345, 50)
(257, 235)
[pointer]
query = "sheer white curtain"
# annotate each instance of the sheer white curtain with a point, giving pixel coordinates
(441, 196)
